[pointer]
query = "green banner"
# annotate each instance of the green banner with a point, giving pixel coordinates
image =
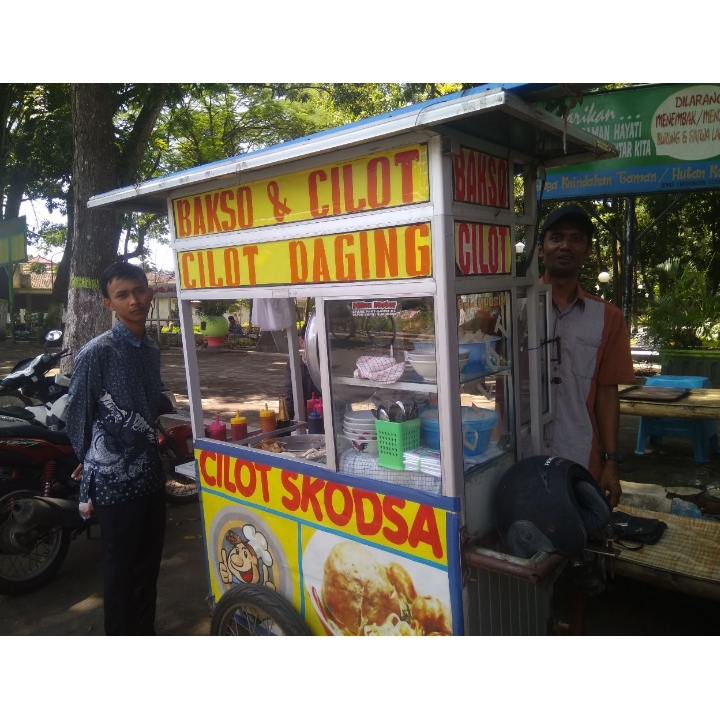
(13, 241)
(668, 137)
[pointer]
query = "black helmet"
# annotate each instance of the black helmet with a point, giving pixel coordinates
(548, 504)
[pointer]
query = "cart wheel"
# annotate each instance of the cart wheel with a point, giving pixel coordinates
(256, 610)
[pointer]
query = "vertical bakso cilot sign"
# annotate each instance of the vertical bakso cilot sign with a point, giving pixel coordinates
(483, 180)
(480, 179)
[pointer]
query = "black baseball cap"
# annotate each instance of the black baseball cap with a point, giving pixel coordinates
(568, 212)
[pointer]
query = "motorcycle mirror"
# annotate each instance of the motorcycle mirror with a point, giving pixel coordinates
(53, 336)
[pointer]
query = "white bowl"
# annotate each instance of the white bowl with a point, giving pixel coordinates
(426, 368)
(425, 365)
(420, 354)
(426, 355)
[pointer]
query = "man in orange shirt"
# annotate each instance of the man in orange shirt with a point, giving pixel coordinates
(592, 354)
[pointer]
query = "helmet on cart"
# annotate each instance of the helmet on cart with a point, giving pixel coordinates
(548, 504)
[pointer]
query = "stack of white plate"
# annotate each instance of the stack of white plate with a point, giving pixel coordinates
(359, 428)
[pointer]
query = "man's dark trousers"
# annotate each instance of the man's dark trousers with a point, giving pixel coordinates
(132, 533)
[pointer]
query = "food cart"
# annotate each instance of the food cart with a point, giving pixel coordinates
(402, 229)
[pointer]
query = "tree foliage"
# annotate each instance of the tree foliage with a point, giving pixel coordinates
(35, 145)
(686, 311)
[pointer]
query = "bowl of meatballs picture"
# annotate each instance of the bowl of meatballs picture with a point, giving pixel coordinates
(358, 589)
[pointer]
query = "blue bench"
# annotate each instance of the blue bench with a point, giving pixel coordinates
(703, 433)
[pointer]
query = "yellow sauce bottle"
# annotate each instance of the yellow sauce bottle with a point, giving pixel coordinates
(238, 426)
(268, 422)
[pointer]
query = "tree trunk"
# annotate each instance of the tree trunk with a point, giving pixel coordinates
(4, 309)
(62, 278)
(95, 231)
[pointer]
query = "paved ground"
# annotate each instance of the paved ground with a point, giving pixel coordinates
(72, 602)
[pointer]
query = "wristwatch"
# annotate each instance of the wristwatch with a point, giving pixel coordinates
(617, 457)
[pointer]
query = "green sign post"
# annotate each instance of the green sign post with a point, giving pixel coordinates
(13, 250)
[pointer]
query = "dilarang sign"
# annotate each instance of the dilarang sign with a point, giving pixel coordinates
(668, 138)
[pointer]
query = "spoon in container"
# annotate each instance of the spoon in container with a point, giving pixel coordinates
(380, 413)
(397, 413)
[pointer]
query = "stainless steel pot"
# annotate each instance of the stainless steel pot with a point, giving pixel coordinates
(312, 352)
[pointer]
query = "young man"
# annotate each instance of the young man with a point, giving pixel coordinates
(591, 357)
(113, 407)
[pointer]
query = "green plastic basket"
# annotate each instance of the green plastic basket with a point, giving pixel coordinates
(394, 439)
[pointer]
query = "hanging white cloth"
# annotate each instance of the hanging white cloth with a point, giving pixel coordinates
(273, 313)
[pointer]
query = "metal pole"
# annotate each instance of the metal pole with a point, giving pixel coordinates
(10, 272)
(629, 249)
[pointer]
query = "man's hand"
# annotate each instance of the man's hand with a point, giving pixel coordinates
(610, 482)
(76, 474)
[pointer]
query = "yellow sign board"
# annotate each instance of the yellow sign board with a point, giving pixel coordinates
(387, 179)
(394, 523)
(351, 560)
(393, 253)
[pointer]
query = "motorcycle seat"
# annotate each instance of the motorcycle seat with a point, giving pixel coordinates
(20, 413)
(36, 432)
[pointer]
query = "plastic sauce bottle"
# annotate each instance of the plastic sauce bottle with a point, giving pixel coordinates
(268, 422)
(238, 427)
(315, 423)
(310, 406)
(218, 429)
(283, 419)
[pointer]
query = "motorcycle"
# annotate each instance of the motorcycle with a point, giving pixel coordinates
(41, 398)
(38, 496)
(29, 394)
(38, 506)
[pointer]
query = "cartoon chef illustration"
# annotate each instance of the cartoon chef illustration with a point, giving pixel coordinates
(249, 561)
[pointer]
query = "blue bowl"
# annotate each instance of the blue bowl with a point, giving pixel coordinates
(478, 352)
(477, 431)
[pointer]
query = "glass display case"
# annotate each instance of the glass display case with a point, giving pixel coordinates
(383, 374)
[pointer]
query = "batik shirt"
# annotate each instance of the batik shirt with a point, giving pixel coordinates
(113, 406)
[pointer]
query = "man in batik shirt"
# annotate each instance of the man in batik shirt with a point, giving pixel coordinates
(113, 407)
